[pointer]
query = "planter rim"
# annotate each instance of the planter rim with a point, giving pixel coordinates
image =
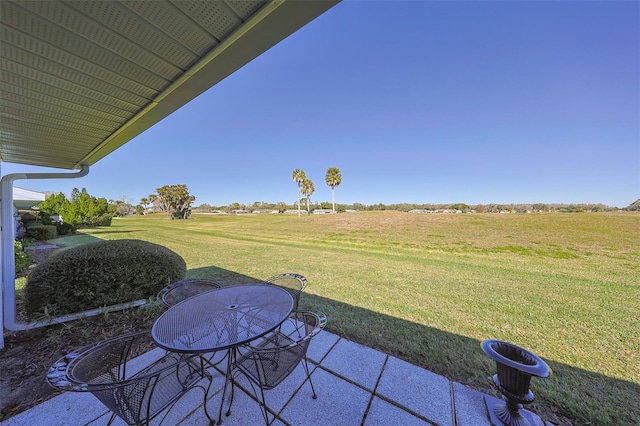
(539, 368)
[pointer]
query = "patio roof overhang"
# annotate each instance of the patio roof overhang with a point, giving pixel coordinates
(25, 199)
(78, 79)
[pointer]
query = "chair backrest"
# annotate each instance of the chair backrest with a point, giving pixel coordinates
(290, 281)
(103, 363)
(270, 362)
(184, 289)
(135, 398)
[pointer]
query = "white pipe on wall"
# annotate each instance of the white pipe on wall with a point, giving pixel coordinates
(8, 298)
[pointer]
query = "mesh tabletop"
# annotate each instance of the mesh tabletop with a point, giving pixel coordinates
(222, 318)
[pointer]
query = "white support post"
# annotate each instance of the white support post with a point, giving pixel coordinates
(7, 236)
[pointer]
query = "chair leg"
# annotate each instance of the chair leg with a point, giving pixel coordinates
(206, 393)
(263, 404)
(306, 368)
(111, 419)
(204, 402)
(259, 397)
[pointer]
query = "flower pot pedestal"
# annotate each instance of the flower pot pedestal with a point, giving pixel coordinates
(515, 367)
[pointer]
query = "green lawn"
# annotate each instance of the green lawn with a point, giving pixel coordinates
(430, 288)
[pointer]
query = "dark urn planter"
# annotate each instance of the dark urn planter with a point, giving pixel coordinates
(515, 367)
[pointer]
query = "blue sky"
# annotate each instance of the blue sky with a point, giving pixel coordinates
(414, 101)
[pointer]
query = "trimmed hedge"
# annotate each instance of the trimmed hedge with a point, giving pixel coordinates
(38, 231)
(65, 228)
(100, 274)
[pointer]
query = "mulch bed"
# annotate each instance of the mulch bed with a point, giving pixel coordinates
(27, 355)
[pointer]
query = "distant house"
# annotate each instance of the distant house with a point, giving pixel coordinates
(25, 201)
(323, 211)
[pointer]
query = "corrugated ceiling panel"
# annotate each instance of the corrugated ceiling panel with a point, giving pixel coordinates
(68, 78)
(39, 142)
(91, 29)
(171, 20)
(244, 8)
(215, 17)
(11, 37)
(57, 105)
(54, 132)
(10, 102)
(31, 154)
(64, 73)
(57, 36)
(128, 25)
(24, 113)
(28, 80)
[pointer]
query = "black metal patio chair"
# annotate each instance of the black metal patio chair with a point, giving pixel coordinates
(290, 281)
(185, 288)
(269, 361)
(135, 395)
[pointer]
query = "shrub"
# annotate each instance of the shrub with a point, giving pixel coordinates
(22, 259)
(45, 219)
(100, 274)
(65, 228)
(27, 218)
(102, 220)
(38, 231)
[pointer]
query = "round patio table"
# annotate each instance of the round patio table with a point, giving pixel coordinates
(222, 319)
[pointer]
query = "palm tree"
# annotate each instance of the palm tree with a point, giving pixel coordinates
(145, 202)
(298, 176)
(307, 189)
(333, 179)
(153, 199)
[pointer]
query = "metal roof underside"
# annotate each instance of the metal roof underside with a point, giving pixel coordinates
(78, 79)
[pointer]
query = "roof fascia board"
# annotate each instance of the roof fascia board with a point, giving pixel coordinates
(273, 23)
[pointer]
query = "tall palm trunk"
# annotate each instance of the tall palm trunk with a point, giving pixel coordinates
(333, 198)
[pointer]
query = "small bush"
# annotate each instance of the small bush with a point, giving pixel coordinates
(100, 274)
(22, 259)
(32, 224)
(27, 218)
(65, 228)
(102, 220)
(45, 219)
(39, 231)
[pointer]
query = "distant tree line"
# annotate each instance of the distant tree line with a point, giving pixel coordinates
(405, 207)
(493, 207)
(85, 210)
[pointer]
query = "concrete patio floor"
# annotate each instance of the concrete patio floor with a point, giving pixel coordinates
(356, 385)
